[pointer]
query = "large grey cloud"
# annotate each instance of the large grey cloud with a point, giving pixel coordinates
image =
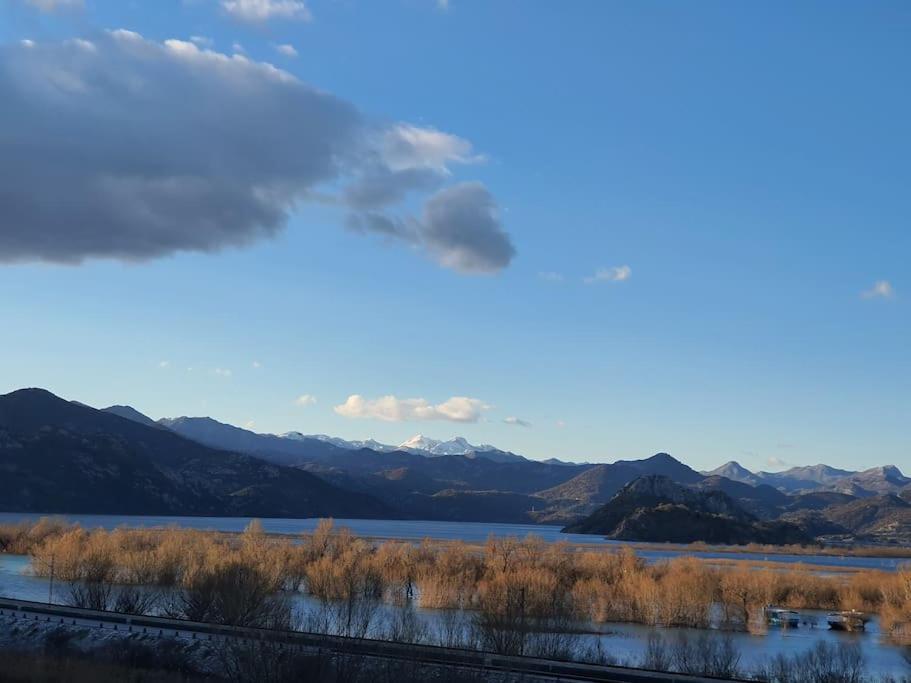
(128, 148)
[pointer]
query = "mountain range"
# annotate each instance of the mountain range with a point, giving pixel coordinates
(62, 456)
(865, 483)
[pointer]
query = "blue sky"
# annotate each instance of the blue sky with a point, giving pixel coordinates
(737, 173)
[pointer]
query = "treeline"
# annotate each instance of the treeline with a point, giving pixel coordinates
(508, 585)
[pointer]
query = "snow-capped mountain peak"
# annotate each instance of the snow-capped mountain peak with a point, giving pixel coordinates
(341, 443)
(456, 446)
(419, 442)
(418, 445)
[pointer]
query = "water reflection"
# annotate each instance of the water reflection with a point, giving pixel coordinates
(624, 643)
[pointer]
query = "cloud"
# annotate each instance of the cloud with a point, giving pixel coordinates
(238, 48)
(459, 228)
(613, 274)
(881, 289)
(249, 425)
(404, 158)
(164, 364)
(49, 6)
(776, 462)
(117, 155)
(286, 50)
(511, 420)
(202, 41)
(550, 276)
(256, 365)
(561, 424)
(260, 11)
(392, 409)
(222, 372)
(305, 400)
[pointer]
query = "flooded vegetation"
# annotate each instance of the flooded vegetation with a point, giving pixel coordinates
(509, 595)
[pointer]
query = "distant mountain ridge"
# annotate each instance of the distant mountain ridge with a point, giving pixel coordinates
(58, 456)
(61, 456)
(796, 480)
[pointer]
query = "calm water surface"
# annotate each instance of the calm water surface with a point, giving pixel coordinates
(627, 642)
(470, 532)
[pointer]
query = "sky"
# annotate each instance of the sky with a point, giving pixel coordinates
(588, 230)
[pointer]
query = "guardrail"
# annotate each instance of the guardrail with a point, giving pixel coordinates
(428, 654)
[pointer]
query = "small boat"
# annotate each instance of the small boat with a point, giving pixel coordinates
(849, 620)
(775, 616)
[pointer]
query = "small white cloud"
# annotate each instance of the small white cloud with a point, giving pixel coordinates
(443, 5)
(881, 289)
(560, 424)
(25, 42)
(515, 421)
(613, 274)
(286, 50)
(222, 372)
(406, 147)
(550, 276)
(164, 363)
(202, 41)
(238, 48)
(249, 424)
(776, 462)
(260, 11)
(257, 365)
(305, 400)
(392, 409)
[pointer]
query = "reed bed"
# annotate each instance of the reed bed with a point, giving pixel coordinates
(507, 581)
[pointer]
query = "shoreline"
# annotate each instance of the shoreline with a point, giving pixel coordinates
(697, 549)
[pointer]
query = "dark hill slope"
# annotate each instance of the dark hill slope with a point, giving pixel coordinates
(763, 501)
(275, 449)
(60, 456)
(886, 515)
(595, 486)
(654, 508)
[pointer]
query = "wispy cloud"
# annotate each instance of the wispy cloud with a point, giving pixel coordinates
(550, 276)
(305, 400)
(776, 462)
(286, 50)
(560, 424)
(164, 364)
(256, 365)
(202, 41)
(612, 274)
(260, 11)
(222, 372)
(393, 409)
(515, 421)
(55, 5)
(249, 424)
(881, 289)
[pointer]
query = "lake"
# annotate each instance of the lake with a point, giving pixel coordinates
(627, 642)
(470, 532)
